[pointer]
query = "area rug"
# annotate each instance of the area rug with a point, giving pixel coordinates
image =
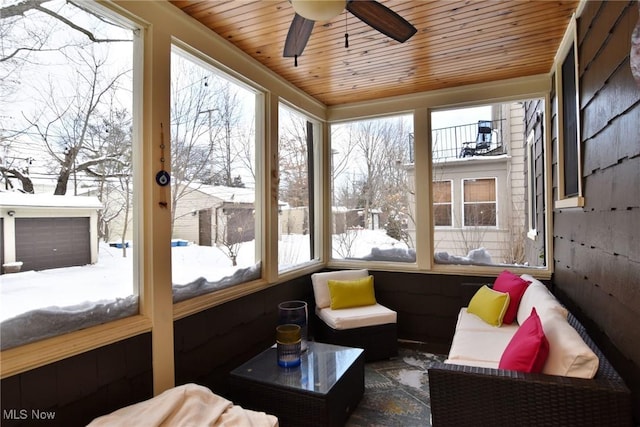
(396, 391)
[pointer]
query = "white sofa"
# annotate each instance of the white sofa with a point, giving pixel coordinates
(577, 385)
(477, 343)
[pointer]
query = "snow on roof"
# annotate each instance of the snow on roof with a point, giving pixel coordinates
(227, 194)
(16, 200)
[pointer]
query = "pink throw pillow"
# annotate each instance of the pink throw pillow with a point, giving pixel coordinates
(515, 287)
(528, 349)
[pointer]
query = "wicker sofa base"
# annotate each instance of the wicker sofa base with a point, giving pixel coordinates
(379, 342)
(472, 396)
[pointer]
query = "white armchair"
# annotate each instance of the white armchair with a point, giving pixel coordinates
(356, 319)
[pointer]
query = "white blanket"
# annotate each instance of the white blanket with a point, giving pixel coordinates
(189, 405)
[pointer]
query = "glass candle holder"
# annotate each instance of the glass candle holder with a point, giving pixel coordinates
(295, 312)
(288, 345)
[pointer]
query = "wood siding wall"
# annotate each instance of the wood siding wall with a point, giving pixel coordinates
(80, 388)
(597, 247)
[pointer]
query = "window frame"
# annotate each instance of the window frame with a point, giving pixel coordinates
(194, 304)
(403, 114)
(569, 44)
(532, 188)
(38, 353)
(450, 203)
(464, 203)
(314, 172)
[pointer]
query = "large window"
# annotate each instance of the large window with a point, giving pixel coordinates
(568, 118)
(67, 163)
(213, 182)
(372, 190)
(479, 197)
(296, 199)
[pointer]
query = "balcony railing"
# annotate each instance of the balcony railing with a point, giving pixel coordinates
(468, 141)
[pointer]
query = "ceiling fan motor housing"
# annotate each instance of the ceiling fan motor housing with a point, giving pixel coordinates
(319, 10)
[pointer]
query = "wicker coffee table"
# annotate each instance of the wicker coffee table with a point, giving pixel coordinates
(322, 391)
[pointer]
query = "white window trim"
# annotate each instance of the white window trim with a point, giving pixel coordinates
(317, 155)
(532, 233)
(569, 40)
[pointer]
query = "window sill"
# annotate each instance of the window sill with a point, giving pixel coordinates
(40, 353)
(571, 202)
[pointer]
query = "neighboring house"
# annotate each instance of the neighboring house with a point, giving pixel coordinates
(43, 231)
(479, 200)
(213, 214)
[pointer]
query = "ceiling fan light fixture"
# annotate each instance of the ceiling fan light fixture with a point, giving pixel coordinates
(319, 10)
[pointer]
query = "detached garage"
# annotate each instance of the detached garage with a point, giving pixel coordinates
(45, 231)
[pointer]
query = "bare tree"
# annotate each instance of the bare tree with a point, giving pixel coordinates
(380, 147)
(68, 89)
(16, 169)
(65, 135)
(236, 228)
(194, 124)
(294, 160)
(112, 137)
(23, 43)
(227, 149)
(206, 130)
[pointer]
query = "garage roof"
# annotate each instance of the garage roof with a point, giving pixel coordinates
(16, 200)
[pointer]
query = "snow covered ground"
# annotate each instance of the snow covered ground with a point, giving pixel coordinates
(112, 276)
(39, 304)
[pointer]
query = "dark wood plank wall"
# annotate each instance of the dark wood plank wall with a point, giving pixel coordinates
(211, 343)
(80, 388)
(597, 248)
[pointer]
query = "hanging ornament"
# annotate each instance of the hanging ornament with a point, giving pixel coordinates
(346, 32)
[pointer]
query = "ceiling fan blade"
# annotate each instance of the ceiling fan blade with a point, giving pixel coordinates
(382, 19)
(298, 36)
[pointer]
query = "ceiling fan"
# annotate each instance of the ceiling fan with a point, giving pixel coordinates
(371, 12)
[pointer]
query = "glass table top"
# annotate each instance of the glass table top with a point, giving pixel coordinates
(322, 365)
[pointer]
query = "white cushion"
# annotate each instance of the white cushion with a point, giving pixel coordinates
(475, 344)
(478, 346)
(321, 287)
(470, 322)
(569, 355)
(357, 317)
(537, 295)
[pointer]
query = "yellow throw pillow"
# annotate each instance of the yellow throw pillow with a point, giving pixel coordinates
(489, 305)
(351, 293)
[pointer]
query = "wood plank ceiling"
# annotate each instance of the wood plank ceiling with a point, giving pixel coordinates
(457, 43)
